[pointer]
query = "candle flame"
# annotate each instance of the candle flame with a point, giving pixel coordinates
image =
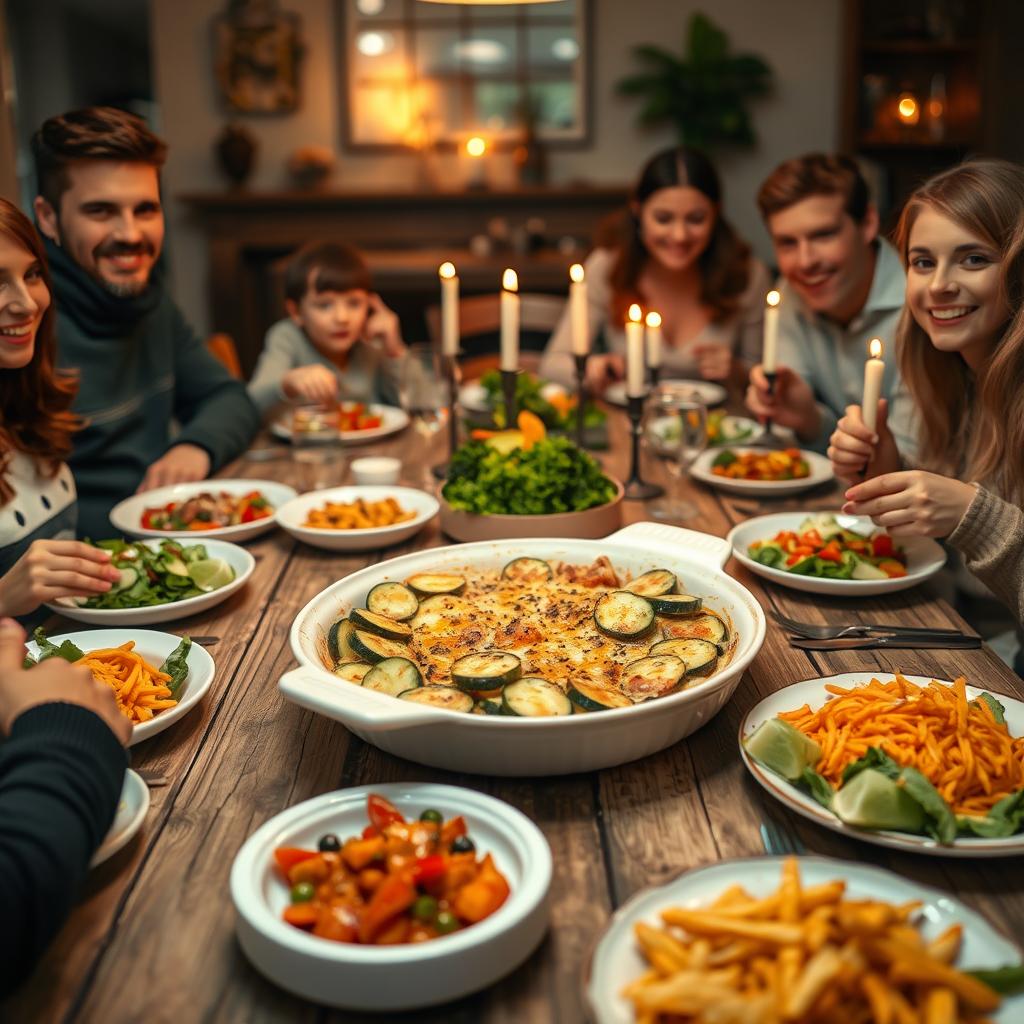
(509, 280)
(653, 319)
(576, 272)
(908, 109)
(476, 146)
(635, 314)
(875, 348)
(773, 298)
(447, 270)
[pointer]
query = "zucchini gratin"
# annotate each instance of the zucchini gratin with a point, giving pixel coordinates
(534, 639)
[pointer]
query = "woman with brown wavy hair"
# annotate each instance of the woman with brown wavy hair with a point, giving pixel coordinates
(679, 256)
(960, 345)
(37, 493)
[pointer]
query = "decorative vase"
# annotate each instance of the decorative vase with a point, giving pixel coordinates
(236, 152)
(531, 159)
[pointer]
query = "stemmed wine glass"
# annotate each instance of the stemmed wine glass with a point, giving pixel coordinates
(423, 394)
(677, 430)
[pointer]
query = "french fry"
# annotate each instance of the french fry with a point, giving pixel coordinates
(702, 923)
(817, 973)
(946, 946)
(879, 997)
(916, 966)
(940, 1006)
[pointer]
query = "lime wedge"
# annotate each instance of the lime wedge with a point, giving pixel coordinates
(211, 573)
(873, 800)
(782, 748)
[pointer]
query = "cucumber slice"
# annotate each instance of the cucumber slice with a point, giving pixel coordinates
(128, 578)
(380, 624)
(527, 570)
(488, 706)
(653, 676)
(486, 671)
(395, 600)
(623, 615)
(339, 641)
(653, 583)
(393, 676)
(701, 627)
(591, 696)
(534, 698)
(676, 604)
(699, 656)
(436, 583)
(352, 671)
(446, 697)
(372, 648)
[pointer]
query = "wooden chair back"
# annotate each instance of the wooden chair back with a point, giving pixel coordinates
(222, 347)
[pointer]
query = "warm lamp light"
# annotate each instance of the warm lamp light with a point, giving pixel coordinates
(875, 348)
(476, 146)
(908, 109)
(576, 272)
(509, 280)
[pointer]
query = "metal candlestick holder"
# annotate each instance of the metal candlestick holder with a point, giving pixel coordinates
(508, 390)
(655, 376)
(450, 365)
(638, 489)
(581, 396)
(768, 432)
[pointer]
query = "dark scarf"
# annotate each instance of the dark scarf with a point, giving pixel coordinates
(97, 311)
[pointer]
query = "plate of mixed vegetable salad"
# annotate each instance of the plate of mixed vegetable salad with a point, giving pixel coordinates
(761, 471)
(911, 762)
(828, 553)
(356, 422)
(723, 429)
(162, 580)
(234, 510)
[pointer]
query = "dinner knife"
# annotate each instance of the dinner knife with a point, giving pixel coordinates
(864, 643)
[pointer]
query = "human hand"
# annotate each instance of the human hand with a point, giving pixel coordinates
(602, 370)
(856, 452)
(911, 503)
(55, 568)
(310, 384)
(384, 324)
(789, 404)
(714, 361)
(51, 681)
(179, 465)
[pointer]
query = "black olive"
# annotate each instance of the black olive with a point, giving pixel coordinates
(329, 843)
(462, 844)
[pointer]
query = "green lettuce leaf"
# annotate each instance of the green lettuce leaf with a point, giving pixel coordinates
(941, 823)
(66, 650)
(997, 709)
(176, 665)
(874, 758)
(820, 788)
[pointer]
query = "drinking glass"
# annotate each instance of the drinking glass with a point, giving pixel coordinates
(316, 445)
(424, 396)
(677, 430)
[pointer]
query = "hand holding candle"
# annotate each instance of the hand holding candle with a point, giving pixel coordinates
(578, 311)
(509, 321)
(634, 352)
(449, 309)
(770, 353)
(874, 370)
(654, 340)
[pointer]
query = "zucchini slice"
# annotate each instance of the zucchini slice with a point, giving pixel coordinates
(372, 648)
(676, 604)
(591, 696)
(446, 697)
(699, 656)
(486, 671)
(623, 615)
(653, 583)
(436, 583)
(527, 570)
(488, 706)
(653, 676)
(371, 622)
(441, 609)
(339, 641)
(534, 698)
(352, 671)
(395, 600)
(393, 676)
(700, 627)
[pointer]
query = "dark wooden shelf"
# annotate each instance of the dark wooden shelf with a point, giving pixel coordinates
(929, 47)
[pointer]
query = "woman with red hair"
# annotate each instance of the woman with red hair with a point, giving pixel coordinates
(39, 559)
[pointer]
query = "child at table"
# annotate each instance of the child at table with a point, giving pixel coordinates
(960, 345)
(339, 342)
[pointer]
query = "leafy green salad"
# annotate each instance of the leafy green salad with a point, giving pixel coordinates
(556, 413)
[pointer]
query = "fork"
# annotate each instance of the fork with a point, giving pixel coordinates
(812, 631)
(779, 839)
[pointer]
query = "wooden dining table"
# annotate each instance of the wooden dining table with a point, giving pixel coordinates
(152, 937)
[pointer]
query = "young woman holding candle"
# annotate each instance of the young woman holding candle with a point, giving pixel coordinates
(680, 257)
(960, 346)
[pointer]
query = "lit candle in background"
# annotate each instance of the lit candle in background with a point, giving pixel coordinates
(770, 353)
(654, 340)
(634, 352)
(509, 321)
(449, 309)
(874, 369)
(578, 311)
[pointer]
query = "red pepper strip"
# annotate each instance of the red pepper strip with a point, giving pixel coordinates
(813, 538)
(370, 831)
(288, 856)
(882, 546)
(831, 552)
(430, 869)
(382, 812)
(395, 894)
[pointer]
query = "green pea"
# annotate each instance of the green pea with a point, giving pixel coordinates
(303, 892)
(431, 815)
(425, 908)
(446, 922)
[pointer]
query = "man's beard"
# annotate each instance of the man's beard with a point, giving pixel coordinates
(122, 289)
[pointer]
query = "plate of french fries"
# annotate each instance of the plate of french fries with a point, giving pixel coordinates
(808, 940)
(357, 518)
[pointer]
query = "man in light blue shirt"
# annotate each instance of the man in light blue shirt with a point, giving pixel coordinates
(841, 286)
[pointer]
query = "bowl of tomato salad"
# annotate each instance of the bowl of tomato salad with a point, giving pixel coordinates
(392, 897)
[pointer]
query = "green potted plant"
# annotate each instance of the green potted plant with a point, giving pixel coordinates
(704, 92)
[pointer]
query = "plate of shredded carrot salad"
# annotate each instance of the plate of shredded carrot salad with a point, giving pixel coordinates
(927, 765)
(155, 677)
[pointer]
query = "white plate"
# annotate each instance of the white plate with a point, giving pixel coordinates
(238, 558)
(131, 813)
(127, 515)
(820, 473)
(731, 426)
(291, 516)
(473, 397)
(616, 961)
(154, 646)
(708, 392)
(924, 559)
(392, 421)
(813, 692)
(393, 977)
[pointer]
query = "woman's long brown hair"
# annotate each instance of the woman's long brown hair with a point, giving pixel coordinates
(972, 424)
(35, 401)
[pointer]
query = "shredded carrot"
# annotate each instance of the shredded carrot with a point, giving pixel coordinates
(140, 689)
(954, 742)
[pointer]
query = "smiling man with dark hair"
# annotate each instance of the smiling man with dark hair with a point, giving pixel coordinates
(159, 408)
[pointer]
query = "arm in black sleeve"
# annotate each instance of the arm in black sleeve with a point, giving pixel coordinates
(61, 773)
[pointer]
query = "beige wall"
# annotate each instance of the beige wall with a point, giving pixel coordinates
(799, 39)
